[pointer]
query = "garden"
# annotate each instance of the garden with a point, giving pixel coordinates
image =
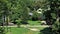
(29, 16)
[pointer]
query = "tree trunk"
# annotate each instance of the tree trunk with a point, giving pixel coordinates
(3, 19)
(7, 22)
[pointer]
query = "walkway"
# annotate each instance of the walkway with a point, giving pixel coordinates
(29, 26)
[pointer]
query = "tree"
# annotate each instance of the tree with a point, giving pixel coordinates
(19, 10)
(53, 15)
(55, 4)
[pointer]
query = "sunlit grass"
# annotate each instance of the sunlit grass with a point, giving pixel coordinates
(21, 31)
(34, 22)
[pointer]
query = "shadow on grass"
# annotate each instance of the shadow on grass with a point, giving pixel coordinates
(46, 31)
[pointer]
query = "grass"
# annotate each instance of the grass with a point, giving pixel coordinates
(21, 31)
(15, 30)
(34, 22)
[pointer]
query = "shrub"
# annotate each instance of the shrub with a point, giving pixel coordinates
(56, 28)
(2, 30)
(18, 22)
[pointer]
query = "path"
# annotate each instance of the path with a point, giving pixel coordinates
(34, 26)
(29, 26)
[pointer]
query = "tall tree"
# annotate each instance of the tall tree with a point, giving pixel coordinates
(4, 9)
(19, 9)
(53, 15)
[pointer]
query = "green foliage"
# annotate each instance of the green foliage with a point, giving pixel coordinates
(56, 27)
(35, 14)
(34, 22)
(19, 10)
(53, 15)
(2, 30)
(18, 22)
(15, 30)
(3, 11)
(54, 5)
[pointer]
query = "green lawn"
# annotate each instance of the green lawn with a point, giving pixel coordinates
(21, 31)
(15, 30)
(34, 22)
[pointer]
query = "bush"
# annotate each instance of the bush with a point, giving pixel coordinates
(24, 22)
(2, 30)
(18, 22)
(56, 27)
(34, 18)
